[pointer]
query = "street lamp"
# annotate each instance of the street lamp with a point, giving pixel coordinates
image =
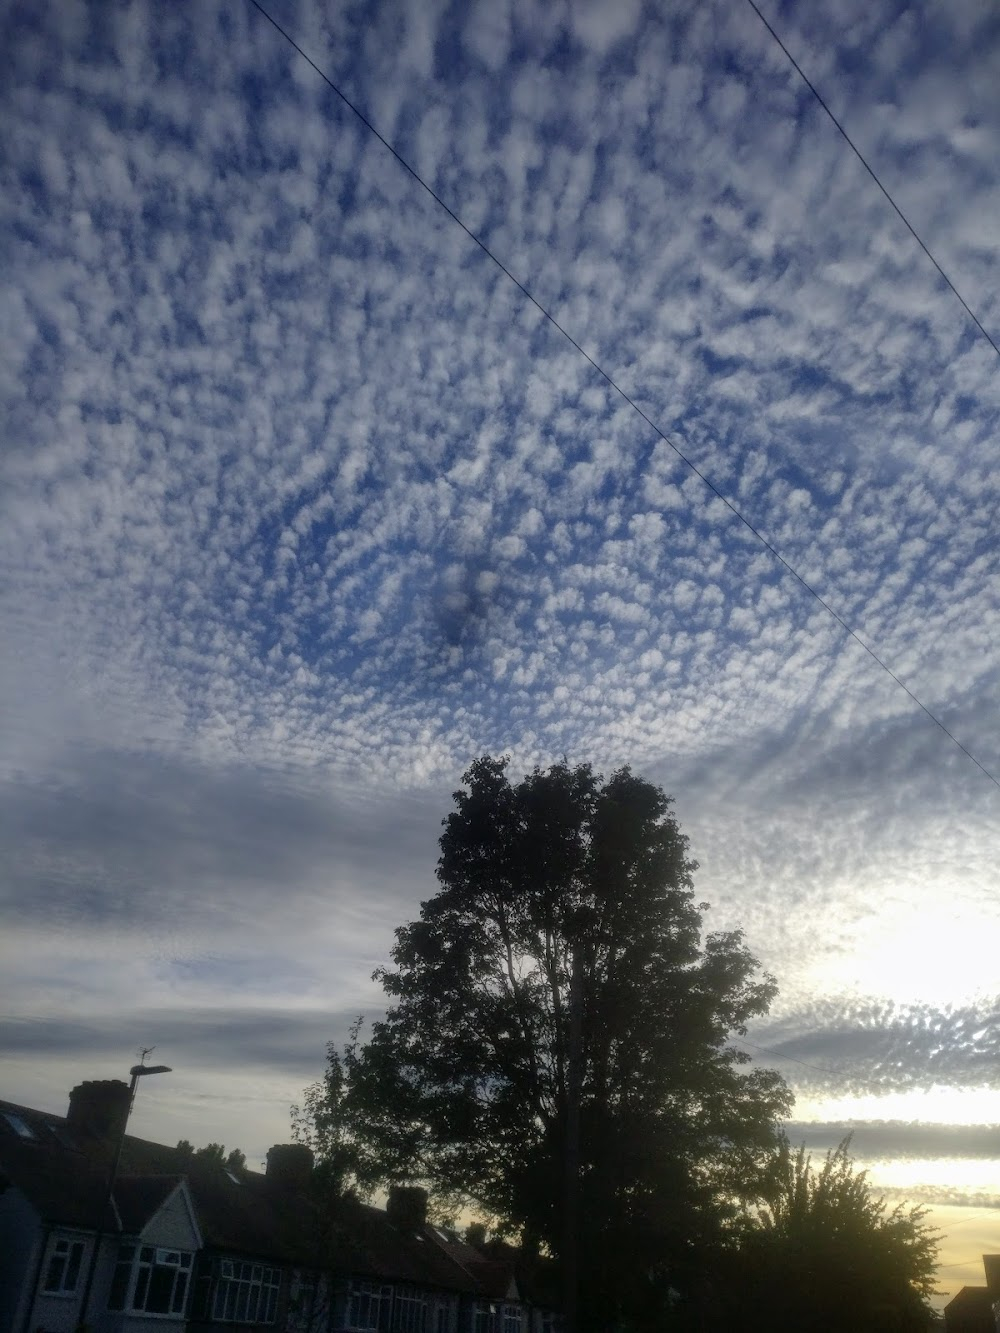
(137, 1072)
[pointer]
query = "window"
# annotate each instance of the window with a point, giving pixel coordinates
(246, 1293)
(64, 1267)
(442, 1317)
(369, 1307)
(150, 1280)
(511, 1319)
(306, 1299)
(18, 1125)
(408, 1312)
(485, 1318)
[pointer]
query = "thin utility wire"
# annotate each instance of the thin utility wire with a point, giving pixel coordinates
(983, 1212)
(619, 390)
(766, 1050)
(871, 172)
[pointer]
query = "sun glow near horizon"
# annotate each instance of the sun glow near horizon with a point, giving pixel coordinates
(938, 1104)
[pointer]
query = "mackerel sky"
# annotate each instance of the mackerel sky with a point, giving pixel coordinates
(303, 506)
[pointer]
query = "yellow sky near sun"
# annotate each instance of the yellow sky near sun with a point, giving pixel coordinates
(969, 1233)
(939, 1104)
(968, 1230)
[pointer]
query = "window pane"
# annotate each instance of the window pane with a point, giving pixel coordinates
(161, 1288)
(180, 1292)
(53, 1278)
(119, 1285)
(141, 1283)
(383, 1310)
(73, 1267)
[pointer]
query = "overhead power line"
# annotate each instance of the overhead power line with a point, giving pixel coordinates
(766, 1050)
(871, 172)
(356, 111)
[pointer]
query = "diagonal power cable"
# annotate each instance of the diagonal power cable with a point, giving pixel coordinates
(871, 172)
(767, 1050)
(356, 111)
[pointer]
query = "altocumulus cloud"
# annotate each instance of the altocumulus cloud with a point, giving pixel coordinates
(303, 506)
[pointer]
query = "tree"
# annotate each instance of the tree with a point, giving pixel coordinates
(321, 1122)
(825, 1255)
(213, 1154)
(556, 1051)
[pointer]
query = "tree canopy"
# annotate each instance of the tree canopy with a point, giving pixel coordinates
(214, 1154)
(557, 1015)
(823, 1254)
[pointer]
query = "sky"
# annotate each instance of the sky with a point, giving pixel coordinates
(304, 505)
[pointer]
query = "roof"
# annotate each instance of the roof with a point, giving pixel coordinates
(62, 1187)
(138, 1198)
(496, 1279)
(64, 1176)
(970, 1301)
(368, 1244)
(536, 1277)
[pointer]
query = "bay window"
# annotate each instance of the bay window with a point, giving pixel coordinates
(149, 1280)
(246, 1293)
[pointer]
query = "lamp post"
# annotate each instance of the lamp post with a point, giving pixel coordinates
(137, 1072)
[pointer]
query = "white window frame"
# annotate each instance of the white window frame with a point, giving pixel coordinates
(141, 1262)
(484, 1319)
(512, 1321)
(409, 1311)
(368, 1308)
(63, 1265)
(441, 1318)
(246, 1293)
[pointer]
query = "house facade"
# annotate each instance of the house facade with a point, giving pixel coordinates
(193, 1247)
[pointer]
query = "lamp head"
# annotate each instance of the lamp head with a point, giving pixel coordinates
(138, 1070)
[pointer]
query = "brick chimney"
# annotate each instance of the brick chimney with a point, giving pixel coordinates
(289, 1165)
(98, 1109)
(406, 1207)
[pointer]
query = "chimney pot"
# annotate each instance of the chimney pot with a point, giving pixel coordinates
(98, 1109)
(406, 1207)
(475, 1234)
(289, 1165)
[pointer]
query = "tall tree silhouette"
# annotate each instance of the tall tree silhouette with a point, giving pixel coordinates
(557, 1015)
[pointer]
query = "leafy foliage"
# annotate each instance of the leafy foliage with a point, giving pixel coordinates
(322, 1121)
(824, 1253)
(466, 1082)
(213, 1154)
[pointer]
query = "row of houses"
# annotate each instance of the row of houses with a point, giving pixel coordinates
(187, 1244)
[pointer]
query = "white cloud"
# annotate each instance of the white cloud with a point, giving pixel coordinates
(297, 485)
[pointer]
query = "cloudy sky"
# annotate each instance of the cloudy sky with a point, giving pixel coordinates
(303, 506)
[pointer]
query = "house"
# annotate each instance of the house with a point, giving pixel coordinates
(976, 1309)
(206, 1249)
